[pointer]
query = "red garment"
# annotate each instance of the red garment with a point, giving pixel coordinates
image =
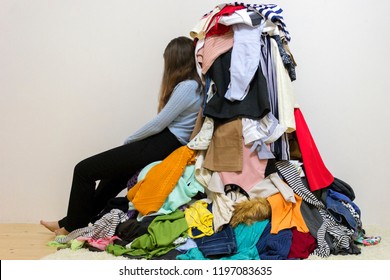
(318, 176)
(303, 244)
(220, 29)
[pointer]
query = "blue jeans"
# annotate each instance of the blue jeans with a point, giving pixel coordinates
(340, 213)
(219, 244)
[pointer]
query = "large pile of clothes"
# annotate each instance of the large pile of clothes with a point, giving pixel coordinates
(251, 183)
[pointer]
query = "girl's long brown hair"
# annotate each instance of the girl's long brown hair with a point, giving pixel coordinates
(179, 65)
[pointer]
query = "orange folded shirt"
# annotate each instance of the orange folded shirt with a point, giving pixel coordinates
(286, 214)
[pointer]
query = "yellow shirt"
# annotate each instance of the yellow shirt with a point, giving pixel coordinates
(199, 217)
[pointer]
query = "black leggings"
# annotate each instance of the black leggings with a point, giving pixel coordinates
(113, 168)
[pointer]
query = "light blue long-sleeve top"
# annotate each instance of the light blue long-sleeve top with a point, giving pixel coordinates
(179, 114)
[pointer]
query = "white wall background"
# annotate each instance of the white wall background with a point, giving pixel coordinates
(77, 77)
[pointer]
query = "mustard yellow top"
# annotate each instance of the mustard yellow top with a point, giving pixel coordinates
(149, 194)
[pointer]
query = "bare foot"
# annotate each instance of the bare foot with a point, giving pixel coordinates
(61, 231)
(52, 226)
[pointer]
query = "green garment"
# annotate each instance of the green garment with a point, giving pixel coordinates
(73, 244)
(162, 231)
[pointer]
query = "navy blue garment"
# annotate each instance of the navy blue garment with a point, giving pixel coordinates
(339, 211)
(221, 243)
(342, 187)
(274, 246)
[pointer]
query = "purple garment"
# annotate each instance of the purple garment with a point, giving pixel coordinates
(133, 180)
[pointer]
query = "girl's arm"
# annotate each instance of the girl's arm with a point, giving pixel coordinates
(182, 95)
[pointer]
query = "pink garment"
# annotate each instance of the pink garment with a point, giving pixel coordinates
(213, 47)
(253, 170)
(100, 243)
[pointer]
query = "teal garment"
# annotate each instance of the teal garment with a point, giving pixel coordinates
(186, 188)
(246, 238)
(162, 231)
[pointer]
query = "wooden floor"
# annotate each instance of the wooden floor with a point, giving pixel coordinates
(24, 242)
(29, 242)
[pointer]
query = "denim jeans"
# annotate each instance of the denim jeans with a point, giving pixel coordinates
(219, 244)
(340, 213)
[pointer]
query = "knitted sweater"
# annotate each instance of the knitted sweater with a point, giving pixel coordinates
(150, 193)
(179, 114)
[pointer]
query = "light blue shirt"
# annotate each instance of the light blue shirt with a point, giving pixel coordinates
(179, 114)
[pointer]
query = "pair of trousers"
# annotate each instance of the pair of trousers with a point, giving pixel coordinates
(221, 243)
(113, 168)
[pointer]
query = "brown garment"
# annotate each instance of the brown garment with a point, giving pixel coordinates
(225, 149)
(295, 152)
(198, 124)
(250, 211)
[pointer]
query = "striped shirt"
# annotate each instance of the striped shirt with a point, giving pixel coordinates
(104, 227)
(341, 235)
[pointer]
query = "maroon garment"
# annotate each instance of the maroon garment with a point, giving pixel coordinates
(303, 244)
(318, 176)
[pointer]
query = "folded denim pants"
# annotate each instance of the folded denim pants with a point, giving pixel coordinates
(220, 243)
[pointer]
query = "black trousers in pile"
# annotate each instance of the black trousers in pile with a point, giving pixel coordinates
(113, 168)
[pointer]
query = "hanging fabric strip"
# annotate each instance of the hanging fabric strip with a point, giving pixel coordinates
(318, 176)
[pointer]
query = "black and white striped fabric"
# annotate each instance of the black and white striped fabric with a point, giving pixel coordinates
(104, 227)
(342, 236)
(291, 176)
